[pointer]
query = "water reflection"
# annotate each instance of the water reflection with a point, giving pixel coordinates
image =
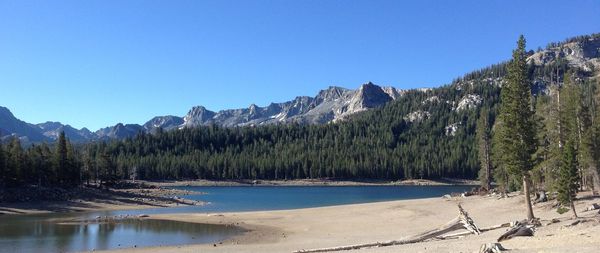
(37, 234)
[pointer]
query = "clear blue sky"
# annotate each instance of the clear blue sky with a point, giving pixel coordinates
(96, 63)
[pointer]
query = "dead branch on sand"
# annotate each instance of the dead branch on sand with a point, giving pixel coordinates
(491, 248)
(519, 229)
(462, 221)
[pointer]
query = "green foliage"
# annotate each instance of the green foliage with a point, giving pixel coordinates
(570, 109)
(517, 133)
(374, 144)
(39, 165)
(66, 167)
(562, 209)
(568, 180)
(14, 163)
(516, 136)
(547, 157)
(60, 160)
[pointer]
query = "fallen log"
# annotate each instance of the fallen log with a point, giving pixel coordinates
(462, 221)
(491, 248)
(464, 233)
(519, 229)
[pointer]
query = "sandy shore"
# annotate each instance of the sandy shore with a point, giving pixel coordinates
(113, 199)
(290, 230)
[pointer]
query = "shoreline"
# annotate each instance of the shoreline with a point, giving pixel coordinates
(319, 227)
(315, 182)
(158, 195)
(341, 225)
(96, 199)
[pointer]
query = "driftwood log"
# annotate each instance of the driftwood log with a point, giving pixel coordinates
(491, 248)
(462, 221)
(464, 233)
(518, 229)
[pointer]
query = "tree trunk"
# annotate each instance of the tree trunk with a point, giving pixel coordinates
(559, 125)
(527, 197)
(595, 180)
(488, 164)
(573, 208)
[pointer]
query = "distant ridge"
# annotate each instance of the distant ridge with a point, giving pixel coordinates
(329, 105)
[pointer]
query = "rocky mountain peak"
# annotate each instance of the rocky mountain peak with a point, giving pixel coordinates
(165, 122)
(331, 104)
(393, 92)
(371, 95)
(11, 126)
(197, 116)
(583, 53)
(330, 94)
(119, 131)
(4, 112)
(50, 125)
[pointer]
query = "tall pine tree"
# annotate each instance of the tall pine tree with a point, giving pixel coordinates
(14, 163)
(484, 148)
(517, 134)
(61, 162)
(568, 180)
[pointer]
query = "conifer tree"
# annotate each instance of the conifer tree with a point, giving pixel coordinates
(73, 176)
(14, 163)
(517, 134)
(590, 146)
(568, 181)
(552, 137)
(484, 147)
(61, 162)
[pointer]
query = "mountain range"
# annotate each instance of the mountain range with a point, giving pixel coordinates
(329, 105)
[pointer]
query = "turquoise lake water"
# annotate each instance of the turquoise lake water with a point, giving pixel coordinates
(257, 198)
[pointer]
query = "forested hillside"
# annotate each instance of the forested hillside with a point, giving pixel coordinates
(425, 133)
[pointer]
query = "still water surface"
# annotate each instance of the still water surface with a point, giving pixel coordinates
(49, 232)
(243, 198)
(41, 233)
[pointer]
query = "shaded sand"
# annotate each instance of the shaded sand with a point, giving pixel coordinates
(290, 230)
(74, 206)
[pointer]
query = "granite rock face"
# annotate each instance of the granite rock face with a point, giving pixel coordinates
(584, 54)
(329, 105)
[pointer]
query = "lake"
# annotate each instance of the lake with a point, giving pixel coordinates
(45, 233)
(260, 198)
(39, 233)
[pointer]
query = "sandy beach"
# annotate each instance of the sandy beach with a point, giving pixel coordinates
(291, 230)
